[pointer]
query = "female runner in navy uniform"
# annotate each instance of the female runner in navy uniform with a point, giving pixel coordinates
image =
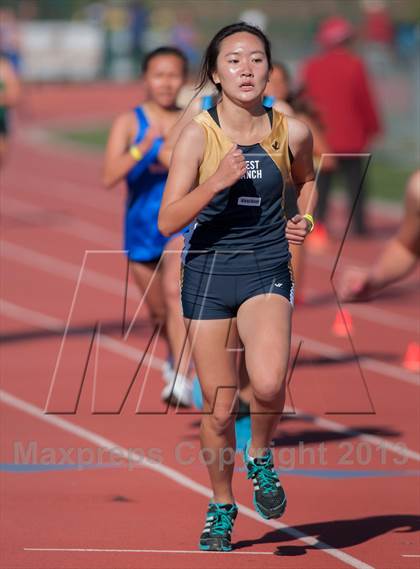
(132, 153)
(226, 179)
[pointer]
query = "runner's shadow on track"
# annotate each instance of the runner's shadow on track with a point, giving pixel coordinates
(141, 328)
(308, 437)
(338, 534)
(345, 358)
(321, 436)
(289, 417)
(398, 292)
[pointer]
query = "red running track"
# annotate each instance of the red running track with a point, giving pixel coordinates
(349, 452)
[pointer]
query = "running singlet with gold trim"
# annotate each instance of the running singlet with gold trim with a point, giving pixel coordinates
(245, 223)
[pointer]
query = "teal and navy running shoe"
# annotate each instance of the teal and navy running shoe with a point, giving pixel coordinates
(269, 497)
(218, 528)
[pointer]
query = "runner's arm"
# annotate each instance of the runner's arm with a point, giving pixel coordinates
(182, 199)
(302, 171)
(302, 168)
(181, 203)
(398, 258)
(118, 159)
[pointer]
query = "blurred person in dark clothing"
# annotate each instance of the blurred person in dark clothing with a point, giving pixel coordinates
(337, 84)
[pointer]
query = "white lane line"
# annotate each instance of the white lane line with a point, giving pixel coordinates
(64, 269)
(33, 317)
(172, 474)
(380, 316)
(396, 448)
(36, 318)
(371, 313)
(70, 225)
(371, 364)
(100, 550)
(409, 555)
(94, 197)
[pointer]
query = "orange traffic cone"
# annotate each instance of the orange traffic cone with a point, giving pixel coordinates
(317, 241)
(343, 323)
(412, 357)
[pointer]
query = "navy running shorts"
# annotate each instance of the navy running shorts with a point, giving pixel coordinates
(206, 296)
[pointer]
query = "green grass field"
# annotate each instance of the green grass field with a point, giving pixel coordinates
(95, 138)
(386, 179)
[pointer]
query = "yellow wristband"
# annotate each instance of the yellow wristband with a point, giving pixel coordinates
(136, 153)
(309, 218)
